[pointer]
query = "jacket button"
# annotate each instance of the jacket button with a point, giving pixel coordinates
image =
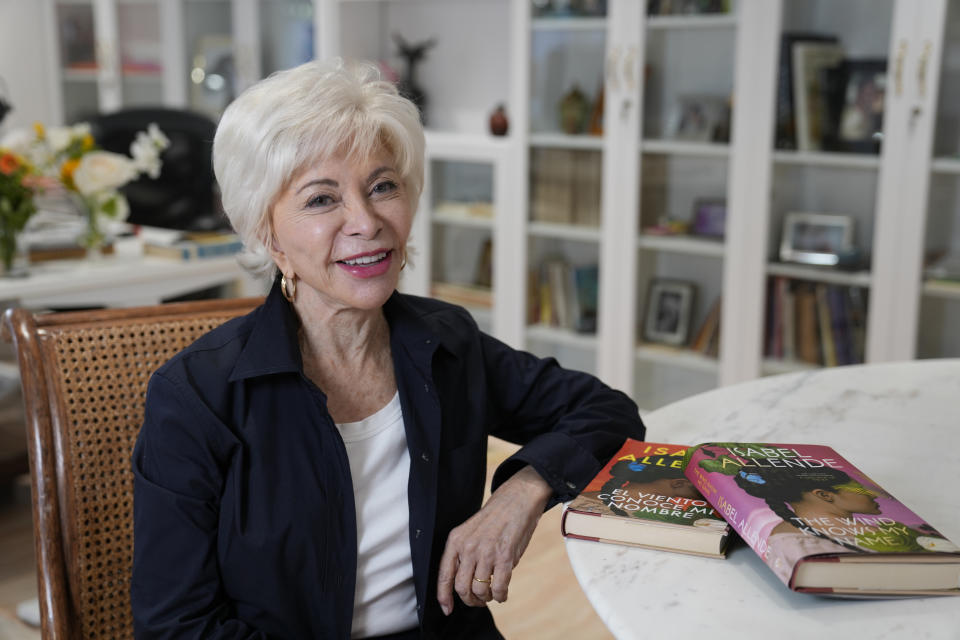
(428, 340)
(417, 534)
(425, 457)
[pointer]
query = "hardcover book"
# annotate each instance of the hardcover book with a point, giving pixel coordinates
(821, 524)
(642, 498)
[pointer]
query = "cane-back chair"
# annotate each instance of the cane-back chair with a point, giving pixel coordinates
(84, 378)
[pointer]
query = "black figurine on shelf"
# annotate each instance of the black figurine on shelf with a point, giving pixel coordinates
(5, 106)
(412, 54)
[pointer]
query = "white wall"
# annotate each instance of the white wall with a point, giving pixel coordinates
(23, 63)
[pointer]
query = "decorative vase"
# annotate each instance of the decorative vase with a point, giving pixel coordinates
(14, 252)
(573, 111)
(93, 238)
(498, 121)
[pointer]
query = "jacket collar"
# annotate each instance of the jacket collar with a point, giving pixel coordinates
(274, 347)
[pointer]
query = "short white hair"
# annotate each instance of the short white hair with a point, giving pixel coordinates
(300, 116)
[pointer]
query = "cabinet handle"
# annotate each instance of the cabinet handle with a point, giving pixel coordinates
(612, 58)
(629, 62)
(898, 68)
(922, 69)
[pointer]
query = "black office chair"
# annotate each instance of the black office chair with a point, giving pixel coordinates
(185, 196)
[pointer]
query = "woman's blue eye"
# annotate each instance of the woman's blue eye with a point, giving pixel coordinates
(384, 187)
(319, 200)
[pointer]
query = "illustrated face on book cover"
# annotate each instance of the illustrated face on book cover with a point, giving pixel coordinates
(818, 498)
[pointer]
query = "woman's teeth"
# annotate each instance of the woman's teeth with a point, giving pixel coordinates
(377, 257)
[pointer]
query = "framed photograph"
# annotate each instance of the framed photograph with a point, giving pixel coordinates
(816, 238)
(709, 218)
(859, 99)
(666, 319)
(699, 118)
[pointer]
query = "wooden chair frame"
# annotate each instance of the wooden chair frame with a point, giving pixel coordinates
(82, 512)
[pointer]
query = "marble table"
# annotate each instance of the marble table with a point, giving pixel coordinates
(900, 423)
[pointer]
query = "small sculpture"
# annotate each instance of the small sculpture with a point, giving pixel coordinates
(412, 54)
(573, 111)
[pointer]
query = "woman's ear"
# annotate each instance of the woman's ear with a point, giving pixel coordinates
(277, 253)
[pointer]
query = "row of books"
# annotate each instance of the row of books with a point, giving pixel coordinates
(564, 295)
(817, 521)
(817, 323)
(565, 186)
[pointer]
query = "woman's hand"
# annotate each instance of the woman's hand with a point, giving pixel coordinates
(481, 553)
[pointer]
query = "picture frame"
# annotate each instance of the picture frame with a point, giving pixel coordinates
(213, 81)
(699, 118)
(816, 238)
(858, 104)
(709, 218)
(668, 310)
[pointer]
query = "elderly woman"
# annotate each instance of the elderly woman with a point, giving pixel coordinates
(316, 468)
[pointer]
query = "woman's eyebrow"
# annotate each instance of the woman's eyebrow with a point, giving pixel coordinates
(376, 172)
(325, 181)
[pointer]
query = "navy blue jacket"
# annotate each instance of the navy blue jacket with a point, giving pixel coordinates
(244, 522)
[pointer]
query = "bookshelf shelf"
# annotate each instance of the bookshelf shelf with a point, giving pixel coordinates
(942, 289)
(716, 21)
(552, 140)
(828, 159)
(564, 232)
(569, 23)
(681, 244)
(461, 220)
(684, 358)
(465, 146)
(561, 336)
(946, 165)
(815, 274)
(682, 148)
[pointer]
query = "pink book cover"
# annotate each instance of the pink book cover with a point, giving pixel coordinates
(791, 502)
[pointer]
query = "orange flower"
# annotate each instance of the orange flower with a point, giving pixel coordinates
(66, 172)
(8, 163)
(87, 142)
(39, 130)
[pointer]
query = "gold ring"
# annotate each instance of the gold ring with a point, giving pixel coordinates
(487, 580)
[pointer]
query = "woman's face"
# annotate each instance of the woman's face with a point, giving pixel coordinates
(340, 228)
(855, 498)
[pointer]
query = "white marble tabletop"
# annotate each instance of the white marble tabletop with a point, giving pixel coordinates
(900, 423)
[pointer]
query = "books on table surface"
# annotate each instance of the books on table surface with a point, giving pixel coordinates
(642, 498)
(181, 245)
(821, 524)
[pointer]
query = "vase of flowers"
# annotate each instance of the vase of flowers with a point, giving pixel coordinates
(89, 178)
(17, 184)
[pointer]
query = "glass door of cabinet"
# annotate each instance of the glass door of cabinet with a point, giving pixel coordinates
(140, 53)
(211, 83)
(939, 305)
(687, 93)
(568, 49)
(77, 34)
(286, 34)
(833, 76)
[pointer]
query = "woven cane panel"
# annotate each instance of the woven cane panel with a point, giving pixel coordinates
(104, 374)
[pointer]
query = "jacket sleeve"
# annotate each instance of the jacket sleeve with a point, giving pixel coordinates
(568, 422)
(178, 460)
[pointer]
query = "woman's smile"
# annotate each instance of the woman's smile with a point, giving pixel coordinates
(368, 265)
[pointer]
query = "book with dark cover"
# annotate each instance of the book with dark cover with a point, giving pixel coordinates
(642, 498)
(820, 523)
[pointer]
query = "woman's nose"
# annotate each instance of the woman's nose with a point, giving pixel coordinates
(361, 219)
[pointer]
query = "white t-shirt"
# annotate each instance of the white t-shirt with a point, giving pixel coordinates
(385, 600)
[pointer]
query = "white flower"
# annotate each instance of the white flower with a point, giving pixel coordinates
(19, 141)
(102, 171)
(59, 138)
(146, 149)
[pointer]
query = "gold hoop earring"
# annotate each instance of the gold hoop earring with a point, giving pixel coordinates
(292, 293)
